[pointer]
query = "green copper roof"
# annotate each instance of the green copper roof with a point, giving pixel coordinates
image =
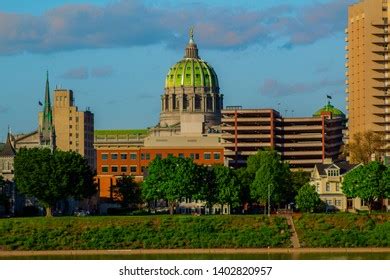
(191, 72)
(329, 108)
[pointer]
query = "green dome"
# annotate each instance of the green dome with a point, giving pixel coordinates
(192, 72)
(329, 108)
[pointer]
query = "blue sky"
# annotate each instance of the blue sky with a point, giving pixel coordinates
(114, 55)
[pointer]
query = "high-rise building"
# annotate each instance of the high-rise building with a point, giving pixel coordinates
(62, 126)
(74, 129)
(368, 68)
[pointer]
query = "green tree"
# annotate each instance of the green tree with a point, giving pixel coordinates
(207, 188)
(370, 182)
(170, 179)
(299, 179)
(245, 180)
(307, 199)
(227, 185)
(271, 175)
(3, 197)
(126, 191)
(364, 145)
(53, 176)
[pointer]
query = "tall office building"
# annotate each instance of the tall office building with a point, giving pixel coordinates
(368, 68)
(74, 129)
(61, 126)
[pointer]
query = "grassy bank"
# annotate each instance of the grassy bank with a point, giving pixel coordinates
(147, 232)
(343, 230)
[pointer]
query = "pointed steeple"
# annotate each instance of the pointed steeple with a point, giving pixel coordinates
(8, 149)
(191, 48)
(47, 129)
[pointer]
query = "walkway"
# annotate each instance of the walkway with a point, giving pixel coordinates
(294, 235)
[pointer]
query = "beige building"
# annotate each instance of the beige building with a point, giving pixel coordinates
(327, 178)
(62, 126)
(73, 128)
(368, 68)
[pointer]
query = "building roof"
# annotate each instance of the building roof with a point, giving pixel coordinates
(121, 132)
(342, 165)
(8, 150)
(329, 108)
(192, 71)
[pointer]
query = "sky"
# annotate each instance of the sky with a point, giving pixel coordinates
(115, 54)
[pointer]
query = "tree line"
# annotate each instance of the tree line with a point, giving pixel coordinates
(265, 179)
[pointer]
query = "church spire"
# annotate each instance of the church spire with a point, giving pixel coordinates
(47, 129)
(192, 48)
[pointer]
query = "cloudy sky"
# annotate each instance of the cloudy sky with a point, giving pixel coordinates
(114, 54)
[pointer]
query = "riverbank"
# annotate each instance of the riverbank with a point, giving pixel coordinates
(343, 230)
(193, 251)
(143, 232)
(258, 232)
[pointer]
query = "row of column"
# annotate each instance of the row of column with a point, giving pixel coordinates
(171, 103)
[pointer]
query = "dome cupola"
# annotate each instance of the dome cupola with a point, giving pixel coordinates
(329, 109)
(191, 88)
(192, 71)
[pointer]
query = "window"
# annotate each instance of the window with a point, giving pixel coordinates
(114, 168)
(181, 155)
(142, 156)
(159, 156)
(196, 156)
(338, 202)
(133, 156)
(123, 156)
(133, 169)
(114, 156)
(217, 156)
(333, 172)
(192, 156)
(143, 169)
(123, 169)
(327, 187)
(147, 156)
(329, 202)
(104, 169)
(104, 156)
(207, 156)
